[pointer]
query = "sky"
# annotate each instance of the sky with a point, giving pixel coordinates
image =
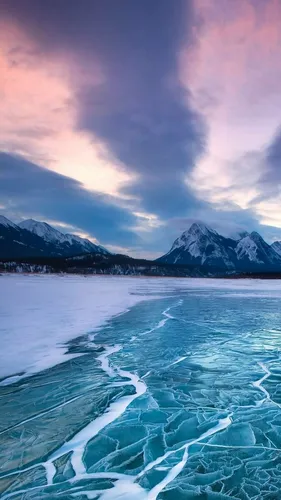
(126, 120)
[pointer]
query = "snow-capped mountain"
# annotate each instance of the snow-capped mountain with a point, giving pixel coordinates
(67, 244)
(43, 230)
(199, 246)
(38, 239)
(276, 247)
(203, 245)
(6, 222)
(17, 242)
(254, 250)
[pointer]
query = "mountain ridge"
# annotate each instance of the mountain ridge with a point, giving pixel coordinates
(63, 240)
(202, 245)
(31, 238)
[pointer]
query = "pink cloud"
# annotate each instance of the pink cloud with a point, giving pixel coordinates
(237, 51)
(39, 113)
(233, 72)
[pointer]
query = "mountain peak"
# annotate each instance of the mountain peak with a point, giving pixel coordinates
(201, 245)
(39, 238)
(256, 237)
(43, 230)
(199, 227)
(276, 245)
(255, 250)
(32, 223)
(6, 222)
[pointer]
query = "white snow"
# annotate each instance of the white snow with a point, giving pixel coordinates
(247, 247)
(6, 222)
(19, 242)
(196, 240)
(43, 230)
(277, 247)
(253, 245)
(52, 235)
(39, 313)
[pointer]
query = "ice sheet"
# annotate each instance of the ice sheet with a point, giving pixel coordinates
(178, 398)
(40, 313)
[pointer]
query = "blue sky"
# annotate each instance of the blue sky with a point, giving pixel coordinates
(127, 120)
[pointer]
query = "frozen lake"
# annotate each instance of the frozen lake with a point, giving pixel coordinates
(138, 388)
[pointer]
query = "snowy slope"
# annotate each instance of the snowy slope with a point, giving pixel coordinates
(247, 249)
(31, 238)
(276, 247)
(86, 244)
(43, 230)
(254, 250)
(202, 245)
(17, 242)
(6, 222)
(66, 244)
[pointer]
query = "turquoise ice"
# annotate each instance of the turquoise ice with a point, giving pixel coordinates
(177, 398)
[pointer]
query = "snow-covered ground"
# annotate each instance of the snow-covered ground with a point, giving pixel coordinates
(40, 313)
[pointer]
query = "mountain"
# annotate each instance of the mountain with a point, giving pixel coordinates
(17, 242)
(6, 222)
(253, 251)
(276, 247)
(65, 244)
(204, 246)
(38, 239)
(201, 245)
(198, 251)
(238, 235)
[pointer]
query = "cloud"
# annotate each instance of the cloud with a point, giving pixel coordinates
(268, 200)
(140, 111)
(156, 111)
(39, 112)
(128, 120)
(233, 74)
(29, 190)
(272, 176)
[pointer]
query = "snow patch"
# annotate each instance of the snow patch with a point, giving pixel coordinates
(248, 248)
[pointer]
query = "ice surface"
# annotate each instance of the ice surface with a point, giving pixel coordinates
(39, 314)
(176, 398)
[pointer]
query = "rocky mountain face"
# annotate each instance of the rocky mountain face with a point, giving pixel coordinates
(254, 251)
(276, 247)
(31, 238)
(202, 245)
(65, 244)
